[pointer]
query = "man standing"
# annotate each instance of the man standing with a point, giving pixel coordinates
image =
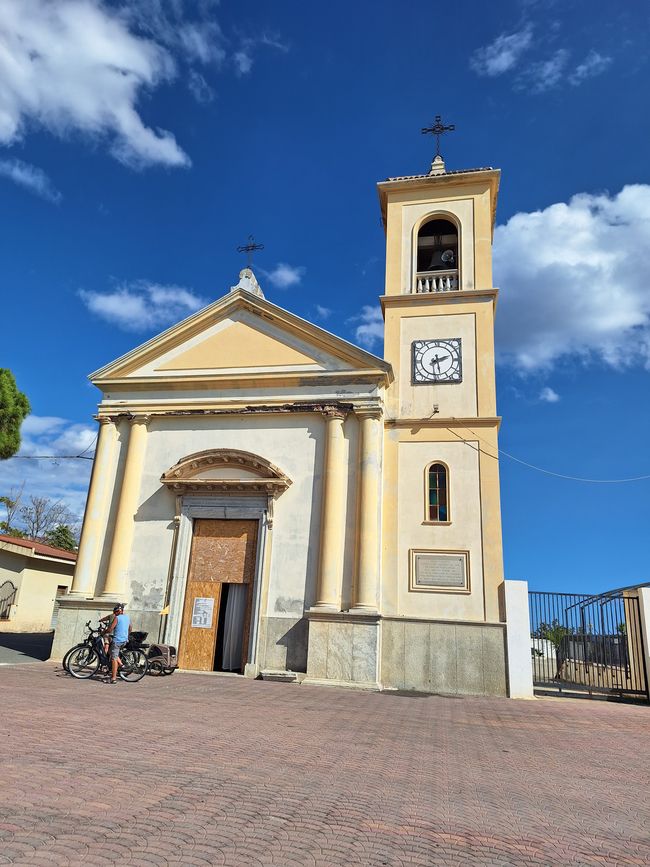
(121, 628)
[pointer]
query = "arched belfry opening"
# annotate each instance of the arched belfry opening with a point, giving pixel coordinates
(437, 266)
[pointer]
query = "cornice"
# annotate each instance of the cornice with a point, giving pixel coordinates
(417, 299)
(482, 421)
(243, 380)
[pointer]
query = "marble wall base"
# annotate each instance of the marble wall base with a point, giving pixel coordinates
(343, 650)
(283, 644)
(444, 657)
(74, 614)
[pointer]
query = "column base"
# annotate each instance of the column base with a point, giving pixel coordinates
(363, 609)
(324, 608)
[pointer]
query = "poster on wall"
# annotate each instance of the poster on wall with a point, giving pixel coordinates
(202, 612)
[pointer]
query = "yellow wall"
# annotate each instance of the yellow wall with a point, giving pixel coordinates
(462, 431)
(37, 581)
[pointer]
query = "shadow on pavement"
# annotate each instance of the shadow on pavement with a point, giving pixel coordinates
(25, 646)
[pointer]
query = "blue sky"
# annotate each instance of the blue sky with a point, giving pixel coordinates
(142, 142)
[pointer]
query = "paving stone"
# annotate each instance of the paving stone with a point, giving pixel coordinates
(205, 770)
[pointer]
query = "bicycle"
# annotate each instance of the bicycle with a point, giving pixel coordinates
(85, 660)
(87, 643)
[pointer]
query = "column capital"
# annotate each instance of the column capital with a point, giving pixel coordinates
(140, 419)
(334, 412)
(362, 412)
(105, 419)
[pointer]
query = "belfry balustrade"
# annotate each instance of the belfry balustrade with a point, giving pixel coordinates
(437, 258)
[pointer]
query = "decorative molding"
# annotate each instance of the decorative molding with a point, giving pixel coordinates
(362, 412)
(336, 412)
(182, 476)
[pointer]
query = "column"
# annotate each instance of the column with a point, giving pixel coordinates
(369, 492)
(115, 584)
(94, 524)
(332, 534)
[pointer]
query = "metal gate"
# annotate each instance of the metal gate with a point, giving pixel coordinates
(588, 644)
(7, 599)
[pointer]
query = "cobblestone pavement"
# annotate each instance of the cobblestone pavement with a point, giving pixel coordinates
(205, 770)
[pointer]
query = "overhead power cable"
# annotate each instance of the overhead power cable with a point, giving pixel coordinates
(82, 456)
(541, 469)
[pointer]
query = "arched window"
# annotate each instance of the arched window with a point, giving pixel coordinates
(437, 256)
(437, 493)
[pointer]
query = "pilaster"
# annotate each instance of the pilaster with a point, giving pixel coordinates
(115, 584)
(367, 579)
(94, 524)
(332, 537)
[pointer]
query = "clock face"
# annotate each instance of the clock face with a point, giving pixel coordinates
(437, 361)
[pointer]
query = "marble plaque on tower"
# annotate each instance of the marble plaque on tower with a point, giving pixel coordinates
(440, 571)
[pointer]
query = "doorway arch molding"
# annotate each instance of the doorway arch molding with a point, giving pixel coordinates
(189, 473)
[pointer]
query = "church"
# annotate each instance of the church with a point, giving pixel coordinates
(275, 501)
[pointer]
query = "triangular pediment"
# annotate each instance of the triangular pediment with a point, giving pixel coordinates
(241, 335)
(235, 346)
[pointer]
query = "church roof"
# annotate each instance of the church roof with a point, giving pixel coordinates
(174, 353)
(428, 175)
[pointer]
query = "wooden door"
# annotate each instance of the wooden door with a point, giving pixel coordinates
(223, 551)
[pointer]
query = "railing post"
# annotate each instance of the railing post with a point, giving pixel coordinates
(518, 641)
(643, 595)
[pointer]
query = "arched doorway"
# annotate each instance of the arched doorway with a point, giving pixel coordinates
(224, 507)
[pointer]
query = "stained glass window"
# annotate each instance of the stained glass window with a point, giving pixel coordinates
(438, 502)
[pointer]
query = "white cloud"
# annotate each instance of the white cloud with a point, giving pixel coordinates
(370, 331)
(546, 74)
(547, 395)
(503, 54)
(593, 64)
(243, 61)
(244, 57)
(61, 479)
(73, 66)
(186, 26)
(142, 306)
(284, 276)
(575, 280)
(323, 312)
(199, 87)
(31, 177)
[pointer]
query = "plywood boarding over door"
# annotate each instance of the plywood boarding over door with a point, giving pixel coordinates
(223, 551)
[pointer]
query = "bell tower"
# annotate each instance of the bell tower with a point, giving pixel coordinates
(442, 556)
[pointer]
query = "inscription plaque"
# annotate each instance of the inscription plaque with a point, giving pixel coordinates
(439, 571)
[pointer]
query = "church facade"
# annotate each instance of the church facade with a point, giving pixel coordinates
(275, 501)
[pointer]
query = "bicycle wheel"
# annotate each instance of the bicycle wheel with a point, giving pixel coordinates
(68, 654)
(83, 662)
(134, 665)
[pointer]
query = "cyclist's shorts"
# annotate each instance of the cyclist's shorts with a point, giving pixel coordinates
(116, 646)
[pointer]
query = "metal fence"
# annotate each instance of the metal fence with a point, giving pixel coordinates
(7, 599)
(588, 644)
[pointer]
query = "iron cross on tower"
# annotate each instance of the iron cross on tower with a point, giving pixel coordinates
(438, 129)
(249, 249)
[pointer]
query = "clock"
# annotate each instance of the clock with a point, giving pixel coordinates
(437, 361)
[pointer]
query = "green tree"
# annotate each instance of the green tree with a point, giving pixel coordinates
(61, 536)
(556, 634)
(14, 406)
